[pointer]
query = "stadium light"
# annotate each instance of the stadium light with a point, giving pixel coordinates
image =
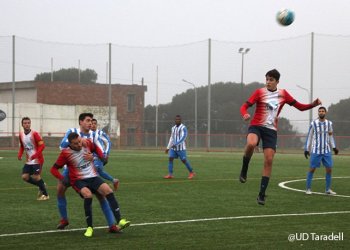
(242, 51)
(310, 101)
(195, 111)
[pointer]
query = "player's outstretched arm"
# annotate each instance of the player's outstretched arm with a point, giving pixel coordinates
(303, 107)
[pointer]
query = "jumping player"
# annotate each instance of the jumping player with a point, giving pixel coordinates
(269, 103)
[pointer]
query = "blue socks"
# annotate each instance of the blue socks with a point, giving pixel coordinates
(328, 181)
(188, 166)
(170, 167)
(309, 177)
(107, 212)
(62, 207)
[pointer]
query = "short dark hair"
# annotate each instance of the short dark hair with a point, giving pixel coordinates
(322, 107)
(82, 116)
(25, 118)
(94, 120)
(273, 73)
(72, 136)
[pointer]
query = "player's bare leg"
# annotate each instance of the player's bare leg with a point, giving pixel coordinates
(252, 142)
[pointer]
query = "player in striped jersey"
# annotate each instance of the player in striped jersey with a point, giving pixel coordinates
(32, 143)
(321, 141)
(84, 131)
(269, 102)
(106, 144)
(177, 148)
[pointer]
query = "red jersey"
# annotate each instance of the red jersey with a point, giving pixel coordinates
(269, 105)
(30, 143)
(79, 168)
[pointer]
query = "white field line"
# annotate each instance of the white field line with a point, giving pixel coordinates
(183, 221)
(283, 185)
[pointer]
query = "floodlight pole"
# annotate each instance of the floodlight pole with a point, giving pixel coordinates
(13, 90)
(310, 101)
(110, 88)
(242, 51)
(195, 111)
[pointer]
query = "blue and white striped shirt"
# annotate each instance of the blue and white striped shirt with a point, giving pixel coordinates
(104, 141)
(320, 137)
(91, 136)
(178, 137)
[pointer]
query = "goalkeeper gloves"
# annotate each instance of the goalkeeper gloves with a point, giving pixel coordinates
(336, 151)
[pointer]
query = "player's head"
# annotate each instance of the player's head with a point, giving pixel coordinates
(85, 122)
(75, 141)
(26, 123)
(178, 119)
(93, 124)
(272, 79)
(322, 112)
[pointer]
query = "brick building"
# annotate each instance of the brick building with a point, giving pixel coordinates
(129, 100)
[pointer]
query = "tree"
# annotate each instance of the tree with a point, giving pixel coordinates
(227, 99)
(69, 75)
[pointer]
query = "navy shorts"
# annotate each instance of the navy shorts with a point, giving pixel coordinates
(268, 136)
(91, 183)
(31, 169)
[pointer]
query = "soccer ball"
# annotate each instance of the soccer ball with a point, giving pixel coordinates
(285, 17)
(2, 115)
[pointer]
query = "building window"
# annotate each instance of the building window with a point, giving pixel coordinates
(131, 132)
(131, 103)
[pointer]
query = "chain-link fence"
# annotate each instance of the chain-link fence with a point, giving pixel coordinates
(311, 65)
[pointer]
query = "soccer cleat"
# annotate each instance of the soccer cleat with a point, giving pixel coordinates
(114, 229)
(330, 192)
(191, 175)
(169, 176)
(242, 178)
(43, 198)
(63, 223)
(123, 223)
(39, 194)
(261, 199)
(89, 231)
(115, 184)
(308, 191)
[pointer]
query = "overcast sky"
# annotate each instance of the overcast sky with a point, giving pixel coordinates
(157, 24)
(166, 22)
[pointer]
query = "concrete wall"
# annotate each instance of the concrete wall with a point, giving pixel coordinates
(54, 120)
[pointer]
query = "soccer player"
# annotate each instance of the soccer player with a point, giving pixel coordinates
(84, 131)
(106, 144)
(177, 148)
(84, 178)
(320, 139)
(32, 143)
(269, 102)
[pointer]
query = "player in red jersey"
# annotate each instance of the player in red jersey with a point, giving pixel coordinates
(32, 143)
(84, 177)
(269, 102)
